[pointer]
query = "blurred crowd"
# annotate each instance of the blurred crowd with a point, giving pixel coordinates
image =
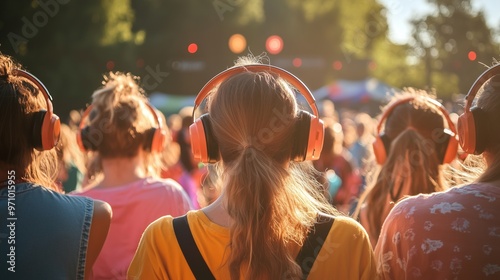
(123, 151)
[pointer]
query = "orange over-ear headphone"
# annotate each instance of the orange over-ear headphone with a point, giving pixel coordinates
(381, 144)
(154, 141)
(308, 141)
(471, 125)
(46, 126)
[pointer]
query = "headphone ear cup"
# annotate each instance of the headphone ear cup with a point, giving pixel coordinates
(472, 134)
(84, 141)
(467, 132)
(148, 139)
(212, 145)
(381, 147)
(154, 140)
(301, 136)
(158, 140)
(481, 131)
(204, 146)
(36, 136)
(316, 138)
(46, 130)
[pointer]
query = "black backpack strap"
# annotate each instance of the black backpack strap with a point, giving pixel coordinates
(313, 243)
(189, 249)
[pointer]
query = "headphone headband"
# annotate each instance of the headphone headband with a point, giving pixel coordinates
(30, 77)
(309, 128)
(287, 76)
(442, 109)
(382, 142)
(493, 71)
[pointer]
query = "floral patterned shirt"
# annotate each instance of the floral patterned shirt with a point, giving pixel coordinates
(453, 234)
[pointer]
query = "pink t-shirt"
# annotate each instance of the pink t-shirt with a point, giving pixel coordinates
(135, 206)
(453, 234)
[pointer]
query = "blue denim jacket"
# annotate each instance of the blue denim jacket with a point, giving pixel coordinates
(43, 234)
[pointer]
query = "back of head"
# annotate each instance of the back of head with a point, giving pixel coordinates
(120, 122)
(415, 144)
(253, 110)
(416, 113)
(119, 114)
(20, 99)
(272, 201)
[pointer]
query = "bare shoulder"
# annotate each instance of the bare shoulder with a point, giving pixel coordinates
(101, 219)
(102, 209)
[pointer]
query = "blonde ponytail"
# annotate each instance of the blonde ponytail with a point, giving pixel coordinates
(256, 182)
(273, 202)
(412, 167)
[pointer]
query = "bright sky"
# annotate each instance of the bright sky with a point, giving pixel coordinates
(400, 12)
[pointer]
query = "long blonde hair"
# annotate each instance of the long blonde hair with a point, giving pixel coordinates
(19, 100)
(413, 161)
(272, 201)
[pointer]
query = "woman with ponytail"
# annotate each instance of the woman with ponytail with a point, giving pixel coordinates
(414, 141)
(269, 204)
(453, 234)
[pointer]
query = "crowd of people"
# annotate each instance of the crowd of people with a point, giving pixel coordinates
(246, 184)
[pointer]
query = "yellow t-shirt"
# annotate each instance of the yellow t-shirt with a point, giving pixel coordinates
(346, 253)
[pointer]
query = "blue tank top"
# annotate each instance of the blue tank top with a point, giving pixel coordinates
(43, 234)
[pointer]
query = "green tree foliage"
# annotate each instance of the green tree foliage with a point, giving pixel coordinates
(316, 31)
(443, 41)
(391, 66)
(68, 44)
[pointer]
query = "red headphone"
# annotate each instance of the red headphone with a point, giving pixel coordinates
(308, 141)
(47, 126)
(471, 125)
(155, 137)
(381, 144)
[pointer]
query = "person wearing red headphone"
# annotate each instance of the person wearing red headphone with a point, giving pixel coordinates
(44, 234)
(453, 234)
(270, 220)
(124, 135)
(417, 138)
